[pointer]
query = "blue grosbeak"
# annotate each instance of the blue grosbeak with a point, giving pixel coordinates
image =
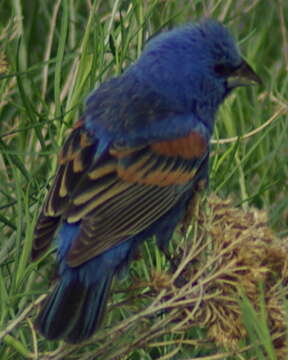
(130, 167)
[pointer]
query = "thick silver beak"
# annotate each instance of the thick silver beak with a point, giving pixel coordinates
(243, 76)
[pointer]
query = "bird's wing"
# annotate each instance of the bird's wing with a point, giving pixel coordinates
(74, 160)
(121, 193)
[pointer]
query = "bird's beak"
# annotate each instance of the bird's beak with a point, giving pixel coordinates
(243, 76)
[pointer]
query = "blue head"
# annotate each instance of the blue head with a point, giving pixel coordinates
(194, 66)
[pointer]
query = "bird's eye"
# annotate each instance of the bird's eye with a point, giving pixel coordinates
(223, 69)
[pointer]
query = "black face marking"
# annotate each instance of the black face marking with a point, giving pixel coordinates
(224, 69)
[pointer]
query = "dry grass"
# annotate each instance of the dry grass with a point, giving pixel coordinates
(230, 257)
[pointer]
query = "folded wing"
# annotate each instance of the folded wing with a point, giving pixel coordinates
(119, 194)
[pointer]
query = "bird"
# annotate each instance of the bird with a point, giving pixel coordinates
(131, 167)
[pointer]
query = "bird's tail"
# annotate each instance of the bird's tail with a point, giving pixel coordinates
(75, 309)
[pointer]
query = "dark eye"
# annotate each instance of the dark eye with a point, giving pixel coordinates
(223, 69)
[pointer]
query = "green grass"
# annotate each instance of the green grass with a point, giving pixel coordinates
(56, 53)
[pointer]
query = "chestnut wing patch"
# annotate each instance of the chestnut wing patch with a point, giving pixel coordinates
(188, 147)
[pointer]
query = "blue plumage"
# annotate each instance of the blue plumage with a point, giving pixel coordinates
(131, 167)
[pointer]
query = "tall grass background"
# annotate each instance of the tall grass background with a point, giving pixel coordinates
(52, 54)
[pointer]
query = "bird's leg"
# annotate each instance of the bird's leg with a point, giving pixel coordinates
(180, 281)
(170, 259)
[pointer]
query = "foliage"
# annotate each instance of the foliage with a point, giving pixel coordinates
(52, 54)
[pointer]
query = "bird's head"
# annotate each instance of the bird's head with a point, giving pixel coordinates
(195, 66)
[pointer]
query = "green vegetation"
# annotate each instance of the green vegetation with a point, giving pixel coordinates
(52, 54)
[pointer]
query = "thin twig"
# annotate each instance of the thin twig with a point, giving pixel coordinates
(21, 317)
(276, 115)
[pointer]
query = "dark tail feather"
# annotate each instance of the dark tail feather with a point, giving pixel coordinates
(74, 310)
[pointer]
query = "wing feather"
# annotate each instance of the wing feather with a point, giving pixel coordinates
(74, 160)
(118, 195)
